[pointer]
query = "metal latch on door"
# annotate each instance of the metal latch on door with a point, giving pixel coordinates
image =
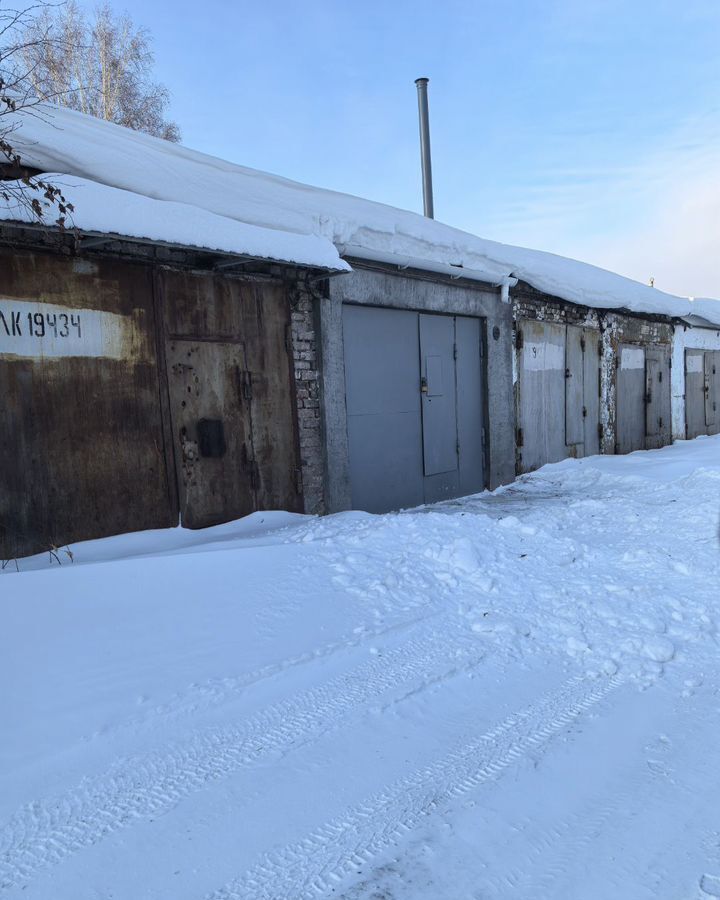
(423, 385)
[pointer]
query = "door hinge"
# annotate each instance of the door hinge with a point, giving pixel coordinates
(600, 350)
(582, 344)
(660, 375)
(601, 432)
(584, 412)
(519, 340)
(519, 437)
(568, 373)
(457, 447)
(454, 351)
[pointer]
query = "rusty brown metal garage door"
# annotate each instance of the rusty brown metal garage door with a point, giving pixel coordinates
(232, 399)
(81, 443)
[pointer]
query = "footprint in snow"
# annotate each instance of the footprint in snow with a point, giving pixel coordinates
(710, 885)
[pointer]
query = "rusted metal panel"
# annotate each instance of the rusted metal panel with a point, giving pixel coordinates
(228, 359)
(207, 383)
(268, 357)
(81, 447)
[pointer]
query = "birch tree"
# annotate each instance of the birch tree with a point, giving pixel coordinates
(22, 189)
(99, 64)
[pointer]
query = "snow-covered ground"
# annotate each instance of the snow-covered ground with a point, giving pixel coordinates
(515, 695)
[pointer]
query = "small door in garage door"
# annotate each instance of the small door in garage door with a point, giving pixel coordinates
(211, 427)
(694, 393)
(541, 438)
(439, 407)
(415, 432)
(657, 397)
(630, 400)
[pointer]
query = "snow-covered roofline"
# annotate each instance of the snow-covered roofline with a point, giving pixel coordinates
(61, 140)
(100, 209)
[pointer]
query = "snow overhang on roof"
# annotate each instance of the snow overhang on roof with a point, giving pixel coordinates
(103, 210)
(705, 312)
(491, 275)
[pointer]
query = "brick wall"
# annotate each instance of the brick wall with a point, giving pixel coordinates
(307, 380)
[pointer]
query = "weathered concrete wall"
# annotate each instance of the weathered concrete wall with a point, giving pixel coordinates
(615, 328)
(690, 338)
(376, 287)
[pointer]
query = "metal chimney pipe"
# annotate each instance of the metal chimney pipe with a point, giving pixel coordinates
(424, 115)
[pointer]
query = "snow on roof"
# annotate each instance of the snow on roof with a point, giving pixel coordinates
(706, 308)
(107, 210)
(61, 140)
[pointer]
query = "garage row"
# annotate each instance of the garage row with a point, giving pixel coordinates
(424, 423)
(138, 395)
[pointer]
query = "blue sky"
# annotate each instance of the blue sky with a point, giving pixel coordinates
(587, 127)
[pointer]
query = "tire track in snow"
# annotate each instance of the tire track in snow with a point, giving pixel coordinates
(44, 832)
(559, 851)
(217, 692)
(316, 864)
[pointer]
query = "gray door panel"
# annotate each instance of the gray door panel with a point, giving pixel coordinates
(694, 393)
(574, 426)
(541, 371)
(591, 391)
(470, 404)
(714, 428)
(630, 410)
(385, 461)
(439, 422)
(653, 393)
(382, 386)
(712, 387)
(658, 399)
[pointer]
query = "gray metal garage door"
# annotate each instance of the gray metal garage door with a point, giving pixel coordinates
(630, 400)
(414, 396)
(694, 393)
(559, 385)
(541, 437)
(657, 397)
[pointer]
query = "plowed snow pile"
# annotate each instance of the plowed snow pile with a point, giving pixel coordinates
(513, 695)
